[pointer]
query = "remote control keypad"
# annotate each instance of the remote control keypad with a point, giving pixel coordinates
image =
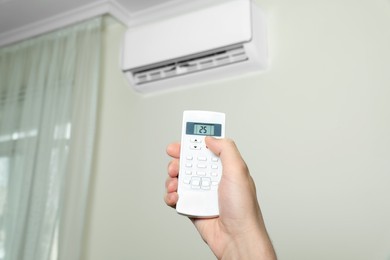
(202, 169)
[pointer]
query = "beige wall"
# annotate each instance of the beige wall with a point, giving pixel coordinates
(314, 129)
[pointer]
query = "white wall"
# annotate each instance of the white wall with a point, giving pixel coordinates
(314, 129)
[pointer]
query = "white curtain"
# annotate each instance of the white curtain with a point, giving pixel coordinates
(48, 105)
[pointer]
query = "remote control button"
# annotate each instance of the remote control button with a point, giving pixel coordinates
(189, 157)
(202, 166)
(195, 147)
(214, 166)
(201, 173)
(214, 159)
(206, 183)
(195, 183)
(196, 140)
(189, 172)
(214, 174)
(202, 158)
(188, 165)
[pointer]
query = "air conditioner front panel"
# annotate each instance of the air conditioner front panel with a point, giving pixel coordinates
(226, 24)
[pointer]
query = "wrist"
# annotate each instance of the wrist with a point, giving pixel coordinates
(251, 245)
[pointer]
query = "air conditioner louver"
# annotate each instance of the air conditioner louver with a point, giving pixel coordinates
(190, 65)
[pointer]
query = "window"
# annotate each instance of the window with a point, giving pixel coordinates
(48, 100)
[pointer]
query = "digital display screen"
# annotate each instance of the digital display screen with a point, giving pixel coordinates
(203, 129)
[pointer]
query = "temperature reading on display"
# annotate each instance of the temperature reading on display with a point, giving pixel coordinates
(203, 129)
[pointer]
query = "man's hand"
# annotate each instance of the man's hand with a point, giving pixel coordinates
(239, 231)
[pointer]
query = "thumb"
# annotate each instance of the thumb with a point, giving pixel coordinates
(228, 152)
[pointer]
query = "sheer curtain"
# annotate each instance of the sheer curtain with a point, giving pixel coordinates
(48, 102)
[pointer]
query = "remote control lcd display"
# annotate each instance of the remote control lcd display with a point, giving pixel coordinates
(203, 129)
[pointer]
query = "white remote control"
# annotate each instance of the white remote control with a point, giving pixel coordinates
(200, 170)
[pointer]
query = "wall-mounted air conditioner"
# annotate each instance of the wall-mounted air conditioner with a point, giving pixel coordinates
(219, 41)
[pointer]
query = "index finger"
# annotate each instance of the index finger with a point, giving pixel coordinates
(173, 150)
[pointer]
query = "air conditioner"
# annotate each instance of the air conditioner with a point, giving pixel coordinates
(220, 41)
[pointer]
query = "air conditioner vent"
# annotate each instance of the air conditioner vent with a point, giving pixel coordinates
(189, 65)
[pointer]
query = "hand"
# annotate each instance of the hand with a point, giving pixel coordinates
(239, 232)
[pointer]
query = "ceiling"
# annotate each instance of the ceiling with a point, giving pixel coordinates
(19, 16)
